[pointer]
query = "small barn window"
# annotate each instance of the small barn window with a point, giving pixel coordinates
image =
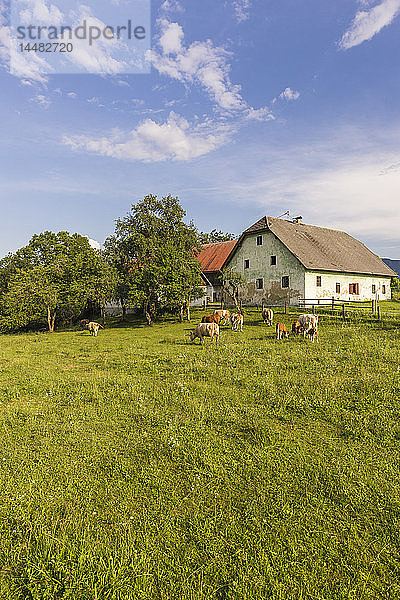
(373, 288)
(273, 261)
(383, 289)
(259, 240)
(319, 281)
(285, 281)
(259, 284)
(354, 288)
(338, 288)
(246, 263)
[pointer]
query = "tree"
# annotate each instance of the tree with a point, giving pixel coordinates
(53, 277)
(395, 285)
(215, 236)
(155, 251)
(232, 282)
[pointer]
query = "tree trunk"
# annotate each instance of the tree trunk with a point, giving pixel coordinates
(146, 312)
(188, 309)
(181, 314)
(103, 309)
(123, 309)
(51, 319)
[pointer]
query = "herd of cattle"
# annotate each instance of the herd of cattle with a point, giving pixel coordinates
(209, 326)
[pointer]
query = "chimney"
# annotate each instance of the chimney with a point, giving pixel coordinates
(298, 220)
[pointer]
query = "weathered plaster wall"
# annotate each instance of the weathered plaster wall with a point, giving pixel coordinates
(260, 267)
(329, 280)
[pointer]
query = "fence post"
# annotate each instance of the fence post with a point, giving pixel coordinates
(343, 312)
(333, 303)
(285, 308)
(313, 310)
(379, 312)
(262, 306)
(372, 306)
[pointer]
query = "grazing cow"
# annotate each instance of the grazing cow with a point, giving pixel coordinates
(296, 328)
(94, 328)
(84, 323)
(237, 321)
(281, 331)
(211, 319)
(308, 322)
(224, 316)
(313, 334)
(267, 316)
(205, 330)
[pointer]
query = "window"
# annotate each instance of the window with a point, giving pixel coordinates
(373, 288)
(259, 284)
(285, 281)
(246, 263)
(259, 240)
(319, 281)
(338, 288)
(273, 261)
(383, 289)
(354, 288)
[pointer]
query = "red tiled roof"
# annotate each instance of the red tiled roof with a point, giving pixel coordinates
(212, 257)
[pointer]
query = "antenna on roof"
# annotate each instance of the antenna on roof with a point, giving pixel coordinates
(285, 214)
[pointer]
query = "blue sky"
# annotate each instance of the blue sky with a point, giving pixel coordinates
(252, 107)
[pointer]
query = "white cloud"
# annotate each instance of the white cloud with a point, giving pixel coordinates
(94, 243)
(174, 140)
(241, 8)
(367, 23)
(42, 100)
(289, 94)
(259, 114)
(40, 11)
(201, 63)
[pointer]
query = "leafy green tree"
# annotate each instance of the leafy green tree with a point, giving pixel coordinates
(395, 285)
(53, 277)
(232, 282)
(215, 236)
(155, 251)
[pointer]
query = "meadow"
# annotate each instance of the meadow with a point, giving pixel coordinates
(138, 466)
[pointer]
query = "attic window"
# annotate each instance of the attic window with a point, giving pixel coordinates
(373, 288)
(338, 288)
(246, 263)
(273, 261)
(319, 280)
(383, 289)
(259, 240)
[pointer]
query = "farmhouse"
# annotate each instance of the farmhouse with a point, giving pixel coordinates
(284, 261)
(212, 258)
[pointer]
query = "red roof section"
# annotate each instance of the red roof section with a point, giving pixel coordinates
(212, 257)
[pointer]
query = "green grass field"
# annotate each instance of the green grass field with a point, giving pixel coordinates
(135, 465)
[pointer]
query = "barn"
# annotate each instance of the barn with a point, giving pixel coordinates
(285, 261)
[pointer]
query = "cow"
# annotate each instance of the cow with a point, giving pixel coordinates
(296, 328)
(203, 330)
(313, 334)
(84, 323)
(281, 331)
(308, 322)
(94, 328)
(237, 321)
(267, 316)
(211, 319)
(224, 316)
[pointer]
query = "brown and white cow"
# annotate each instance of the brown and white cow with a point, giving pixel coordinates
(203, 330)
(224, 315)
(281, 331)
(237, 321)
(211, 319)
(308, 322)
(94, 328)
(267, 315)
